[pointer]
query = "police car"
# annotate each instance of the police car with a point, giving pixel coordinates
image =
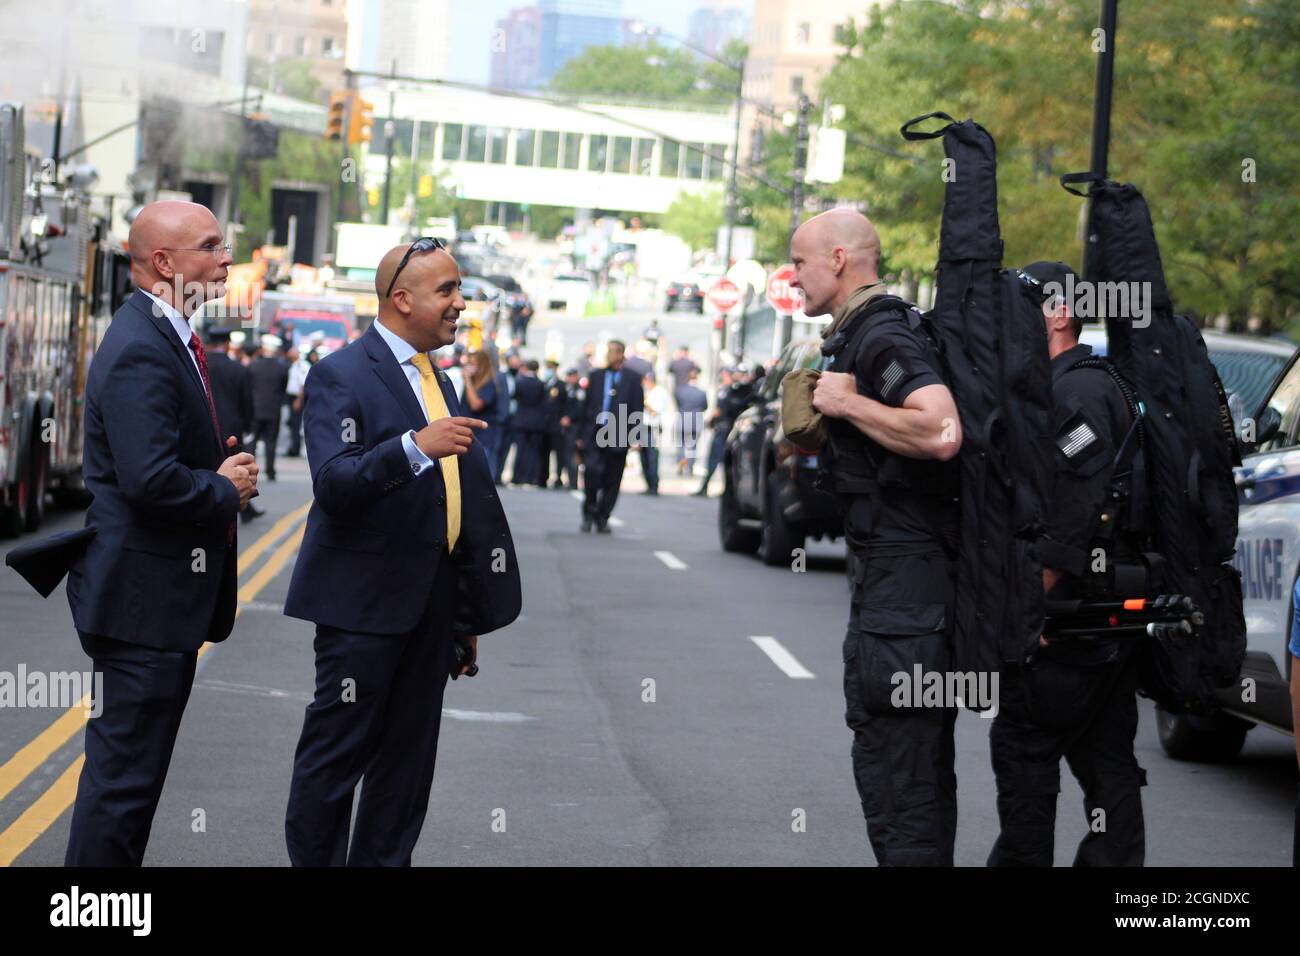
(1263, 376)
(1268, 557)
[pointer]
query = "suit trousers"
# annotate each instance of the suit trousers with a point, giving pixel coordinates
(568, 463)
(528, 458)
(374, 721)
(128, 748)
(650, 467)
(601, 480)
(295, 428)
(267, 431)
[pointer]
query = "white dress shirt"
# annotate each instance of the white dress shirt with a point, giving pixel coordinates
(297, 377)
(402, 351)
(181, 326)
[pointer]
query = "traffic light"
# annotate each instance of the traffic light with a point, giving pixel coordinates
(337, 113)
(363, 119)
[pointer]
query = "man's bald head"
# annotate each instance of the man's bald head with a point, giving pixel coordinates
(177, 253)
(167, 224)
(387, 268)
(834, 254)
(846, 229)
(425, 303)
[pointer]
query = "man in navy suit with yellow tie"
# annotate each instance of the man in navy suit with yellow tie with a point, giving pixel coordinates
(406, 560)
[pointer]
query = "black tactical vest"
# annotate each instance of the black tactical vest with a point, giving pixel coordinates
(853, 463)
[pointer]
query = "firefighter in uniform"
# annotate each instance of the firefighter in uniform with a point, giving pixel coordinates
(1076, 697)
(893, 432)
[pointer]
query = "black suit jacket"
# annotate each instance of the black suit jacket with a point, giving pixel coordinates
(159, 570)
(232, 393)
(270, 380)
(626, 406)
(530, 394)
(376, 532)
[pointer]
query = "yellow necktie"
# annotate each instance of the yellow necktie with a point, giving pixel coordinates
(436, 407)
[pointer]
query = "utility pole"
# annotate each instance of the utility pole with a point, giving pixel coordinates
(390, 130)
(414, 224)
(733, 198)
(800, 162)
(786, 322)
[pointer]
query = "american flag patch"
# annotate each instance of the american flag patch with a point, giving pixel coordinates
(890, 377)
(1076, 440)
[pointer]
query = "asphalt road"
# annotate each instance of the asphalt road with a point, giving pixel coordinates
(627, 718)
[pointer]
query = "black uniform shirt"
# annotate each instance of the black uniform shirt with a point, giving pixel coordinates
(1090, 420)
(902, 529)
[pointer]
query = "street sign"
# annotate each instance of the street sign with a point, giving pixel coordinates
(780, 294)
(723, 295)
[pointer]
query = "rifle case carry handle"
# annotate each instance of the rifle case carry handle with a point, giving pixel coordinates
(912, 134)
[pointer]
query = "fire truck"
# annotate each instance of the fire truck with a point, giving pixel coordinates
(61, 278)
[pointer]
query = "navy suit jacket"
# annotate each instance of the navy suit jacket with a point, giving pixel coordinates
(628, 399)
(159, 570)
(376, 532)
(530, 394)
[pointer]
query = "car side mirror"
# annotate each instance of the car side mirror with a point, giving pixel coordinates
(1269, 424)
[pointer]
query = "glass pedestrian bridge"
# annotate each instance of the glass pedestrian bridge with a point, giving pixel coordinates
(543, 150)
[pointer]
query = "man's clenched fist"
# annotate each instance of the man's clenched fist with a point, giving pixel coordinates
(241, 471)
(832, 393)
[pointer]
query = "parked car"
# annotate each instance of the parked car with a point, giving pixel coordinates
(770, 502)
(567, 287)
(1247, 364)
(688, 291)
(1268, 557)
(514, 292)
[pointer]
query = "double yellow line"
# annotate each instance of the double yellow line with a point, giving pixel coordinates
(51, 804)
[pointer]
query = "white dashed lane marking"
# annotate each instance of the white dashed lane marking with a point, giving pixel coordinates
(782, 658)
(671, 560)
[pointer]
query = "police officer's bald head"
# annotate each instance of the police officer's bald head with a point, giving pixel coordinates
(834, 254)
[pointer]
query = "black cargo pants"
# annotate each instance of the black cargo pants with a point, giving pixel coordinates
(1077, 699)
(902, 753)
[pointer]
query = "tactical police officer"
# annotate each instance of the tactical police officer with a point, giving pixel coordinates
(1076, 696)
(894, 431)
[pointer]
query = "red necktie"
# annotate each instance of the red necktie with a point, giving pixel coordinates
(202, 358)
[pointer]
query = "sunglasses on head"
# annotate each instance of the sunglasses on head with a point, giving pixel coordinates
(423, 244)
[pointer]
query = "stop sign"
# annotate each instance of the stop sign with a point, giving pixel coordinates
(723, 295)
(782, 296)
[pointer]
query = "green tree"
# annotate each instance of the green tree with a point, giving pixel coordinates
(653, 72)
(695, 218)
(291, 77)
(1203, 122)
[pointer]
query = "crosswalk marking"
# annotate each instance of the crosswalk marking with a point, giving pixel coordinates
(671, 560)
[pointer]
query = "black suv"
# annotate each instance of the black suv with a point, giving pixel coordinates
(770, 503)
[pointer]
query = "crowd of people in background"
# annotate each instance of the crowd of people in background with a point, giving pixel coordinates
(533, 410)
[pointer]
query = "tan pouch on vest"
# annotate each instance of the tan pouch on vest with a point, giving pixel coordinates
(802, 424)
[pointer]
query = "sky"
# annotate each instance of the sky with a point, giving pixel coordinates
(476, 18)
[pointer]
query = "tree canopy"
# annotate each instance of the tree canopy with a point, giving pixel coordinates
(1204, 121)
(654, 72)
